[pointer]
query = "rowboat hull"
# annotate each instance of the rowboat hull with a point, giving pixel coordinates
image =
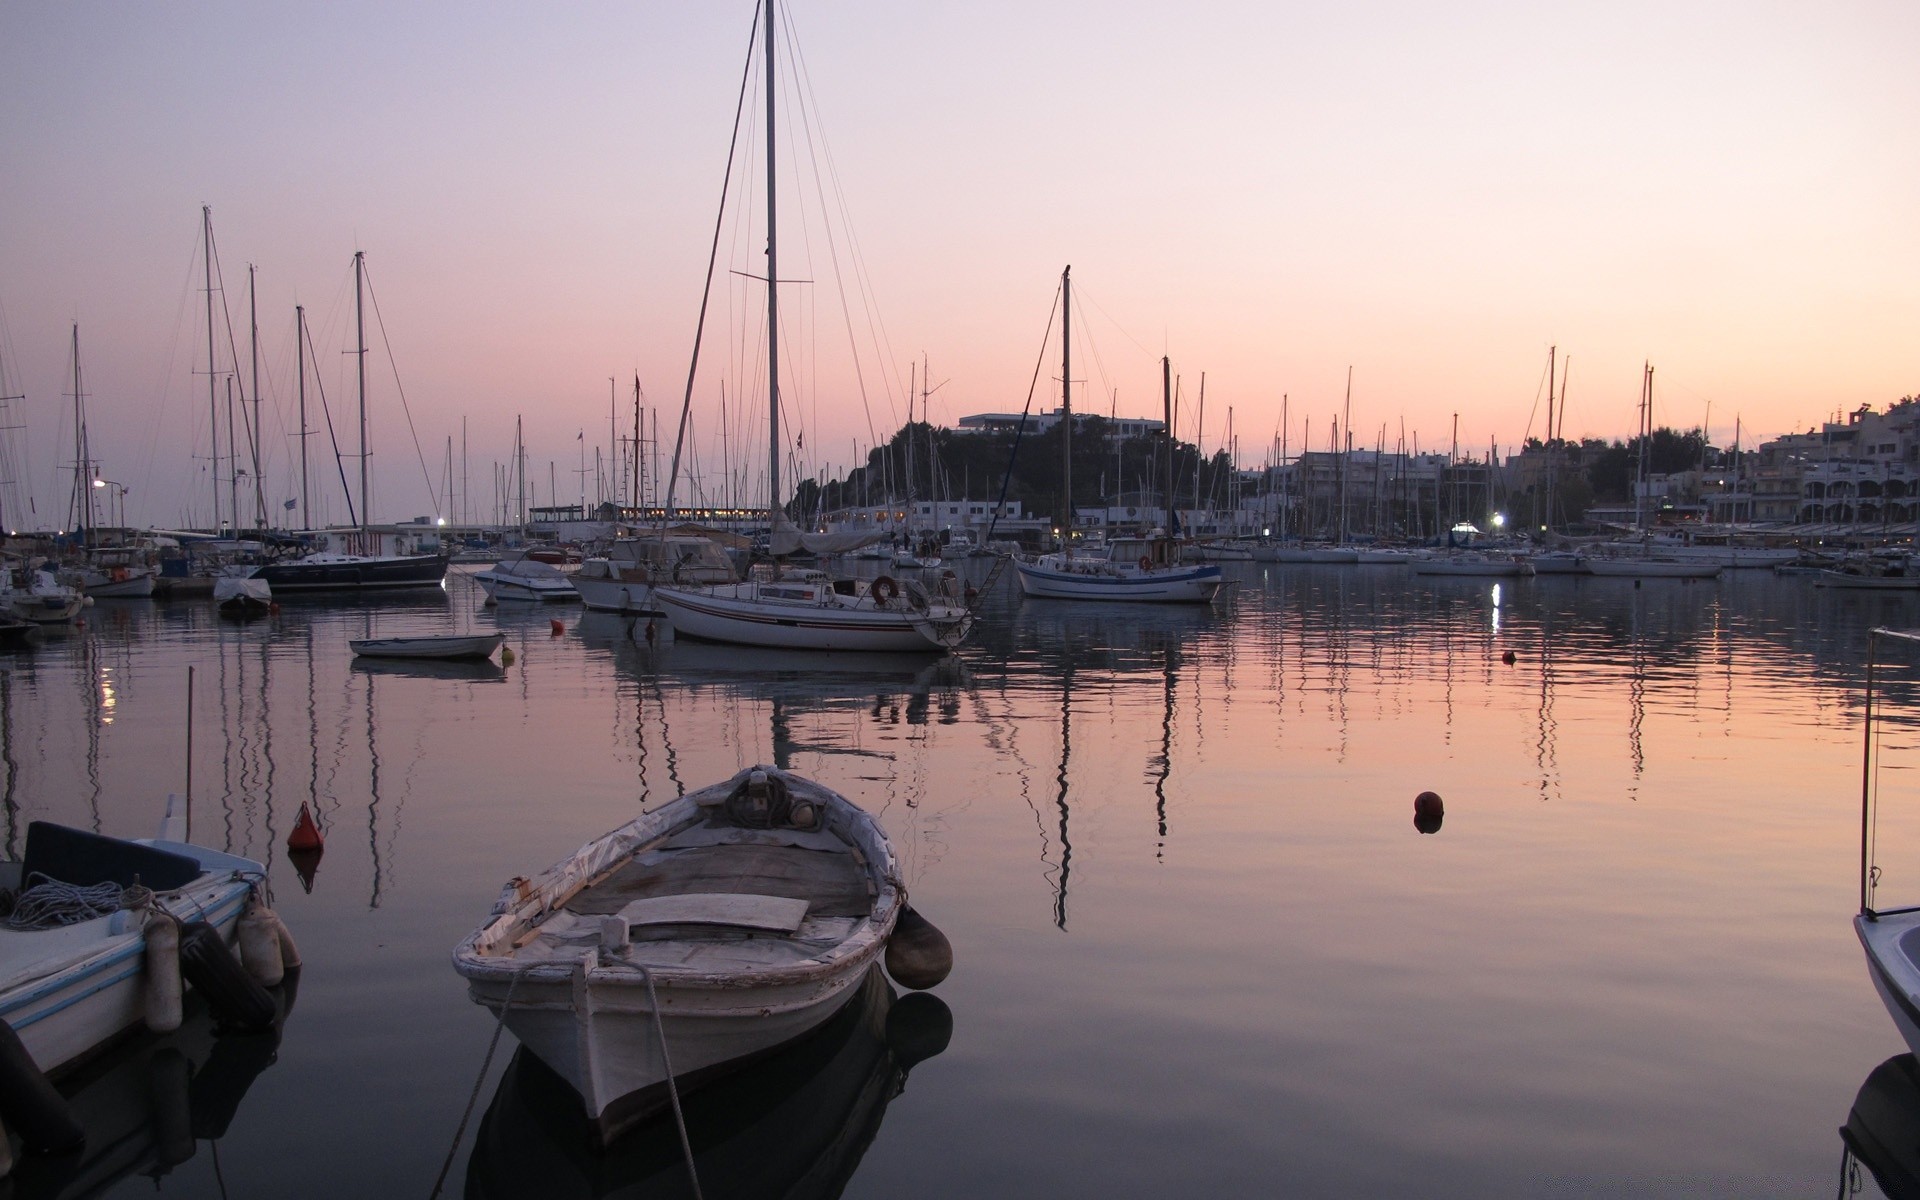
(586, 1006)
(448, 647)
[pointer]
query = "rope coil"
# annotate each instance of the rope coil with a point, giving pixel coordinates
(51, 904)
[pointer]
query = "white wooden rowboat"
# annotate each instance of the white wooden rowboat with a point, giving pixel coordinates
(442, 646)
(750, 908)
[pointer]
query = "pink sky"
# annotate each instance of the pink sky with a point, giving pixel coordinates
(1268, 193)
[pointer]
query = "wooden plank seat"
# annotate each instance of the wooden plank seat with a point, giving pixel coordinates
(833, 885)
(769, 914)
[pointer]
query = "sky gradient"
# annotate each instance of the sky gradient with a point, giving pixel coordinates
(1267, 193)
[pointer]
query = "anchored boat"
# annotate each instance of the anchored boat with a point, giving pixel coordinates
(704, 934)
(79, 963)
(433, 646)
(1891, 936)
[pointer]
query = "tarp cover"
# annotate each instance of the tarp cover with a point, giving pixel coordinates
(788, 537)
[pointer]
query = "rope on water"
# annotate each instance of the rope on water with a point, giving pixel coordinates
(673, 1091)
(50, 904)
(474, 1097)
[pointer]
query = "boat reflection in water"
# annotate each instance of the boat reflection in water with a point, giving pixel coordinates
(148, 1103)
(1882, 1132)
(794, 1124)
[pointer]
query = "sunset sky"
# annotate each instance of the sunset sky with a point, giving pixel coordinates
(1268, 193)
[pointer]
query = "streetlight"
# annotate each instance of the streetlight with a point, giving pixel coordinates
(121, 492)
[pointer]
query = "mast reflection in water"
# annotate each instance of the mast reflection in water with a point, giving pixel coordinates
(1198, 950)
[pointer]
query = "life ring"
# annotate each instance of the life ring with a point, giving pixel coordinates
(1146, 564)
(883, 589)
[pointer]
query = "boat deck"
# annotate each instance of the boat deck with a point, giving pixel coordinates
(717, 870)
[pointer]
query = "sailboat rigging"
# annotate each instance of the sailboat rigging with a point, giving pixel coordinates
(805, 609)
(1137, 568)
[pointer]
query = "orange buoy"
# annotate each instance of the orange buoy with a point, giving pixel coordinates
(306, 834)
(1509, 658)
(557, 627)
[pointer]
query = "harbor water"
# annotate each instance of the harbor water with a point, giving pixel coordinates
(1201, 947)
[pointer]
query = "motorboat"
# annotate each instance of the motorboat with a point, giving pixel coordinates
(622, 579)
(527, 579)
(67, 989)
(47, 600)
(706, 933)
(241, 596)
(431, 646)
(1890, 936)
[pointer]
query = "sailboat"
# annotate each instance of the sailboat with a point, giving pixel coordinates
(1146, 568)
(364, 567)
(808, 609)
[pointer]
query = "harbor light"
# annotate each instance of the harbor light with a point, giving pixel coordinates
(1499, 520)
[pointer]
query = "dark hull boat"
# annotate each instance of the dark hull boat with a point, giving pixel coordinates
(354, 572)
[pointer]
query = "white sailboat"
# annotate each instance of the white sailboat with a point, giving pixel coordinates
(808, 610)
(1890, 936)
(1131, 569)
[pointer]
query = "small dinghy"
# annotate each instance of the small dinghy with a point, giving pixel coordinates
(751, 909)
(443, 646)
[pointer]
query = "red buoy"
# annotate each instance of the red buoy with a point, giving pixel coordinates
(306, 834)
(557, 626)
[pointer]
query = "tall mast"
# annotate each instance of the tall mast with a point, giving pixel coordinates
(82, 476)
(1166, 407)
(213, 394)
(1066, 409)
(300, 347)
(253, 431)
(1346, 459)
(360, 355)
(773, 300)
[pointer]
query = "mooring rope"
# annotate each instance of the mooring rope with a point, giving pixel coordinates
(51, 904)
(472, 1099)
(673, 1091)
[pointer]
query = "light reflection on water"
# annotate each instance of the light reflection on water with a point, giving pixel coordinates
(1201, 949)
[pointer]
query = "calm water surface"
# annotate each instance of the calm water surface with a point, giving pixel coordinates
(1201, 949)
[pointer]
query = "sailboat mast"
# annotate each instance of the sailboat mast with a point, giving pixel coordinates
(1166, 406)
(300, 349)
(213, 394)
(82, 477)
(773, 298)
(360, 356)
(253, 431)
(1066, 409)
